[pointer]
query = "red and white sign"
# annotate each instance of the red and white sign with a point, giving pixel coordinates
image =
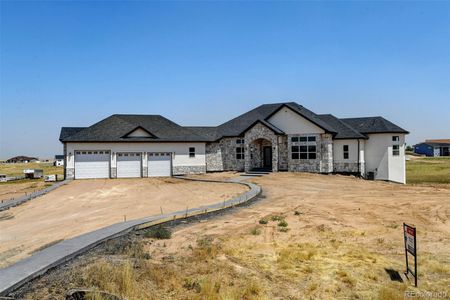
(410, 239)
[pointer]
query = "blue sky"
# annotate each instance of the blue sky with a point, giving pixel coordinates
(202, 63)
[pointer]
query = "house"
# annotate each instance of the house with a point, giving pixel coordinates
(59, 160)
(21, 159)
(275, 137)
(433, 148)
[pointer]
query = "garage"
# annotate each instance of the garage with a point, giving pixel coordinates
(129, 165)
(92, 164)
(159, 164)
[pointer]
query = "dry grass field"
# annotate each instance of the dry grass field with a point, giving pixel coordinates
(309, 237)
(428, 170)
(17, 169)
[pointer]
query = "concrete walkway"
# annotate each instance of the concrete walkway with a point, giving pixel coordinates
(25, 270)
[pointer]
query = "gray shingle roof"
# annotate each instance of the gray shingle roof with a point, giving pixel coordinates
(343, 130)
(373, 125)
(116, 127)
(238, 125)
(68, 131)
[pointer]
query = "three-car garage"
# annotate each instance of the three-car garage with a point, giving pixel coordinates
(97, 164)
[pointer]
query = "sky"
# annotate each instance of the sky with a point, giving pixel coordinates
(203, 63)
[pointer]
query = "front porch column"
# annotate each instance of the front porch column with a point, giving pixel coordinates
(275, 156)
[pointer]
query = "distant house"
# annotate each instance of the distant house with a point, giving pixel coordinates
(59, 160)
(21, 159)
(433, 148)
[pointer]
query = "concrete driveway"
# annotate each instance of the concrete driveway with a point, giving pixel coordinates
(85, 205)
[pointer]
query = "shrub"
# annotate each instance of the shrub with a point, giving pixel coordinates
(159, 232)
(283, 223)
(263, 221)
(255, 230)
(283, 229)
(277, 218)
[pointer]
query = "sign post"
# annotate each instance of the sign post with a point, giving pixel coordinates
(409, 233)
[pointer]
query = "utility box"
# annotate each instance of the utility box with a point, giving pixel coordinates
(50, 178)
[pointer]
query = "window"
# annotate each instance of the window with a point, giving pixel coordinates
(240, 153)
(294, 139)
(191, 151)
(240, 141)
(303, 139)
(311, 138)
(295, 152)
(395, 138)
(345, 151)
(396, 150)
(303, 152)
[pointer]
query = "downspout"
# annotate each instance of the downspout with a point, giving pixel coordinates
(359, 163)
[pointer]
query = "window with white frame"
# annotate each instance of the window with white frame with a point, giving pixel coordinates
(395, 138)
(395, 150)
(191, 151)
(345, 151)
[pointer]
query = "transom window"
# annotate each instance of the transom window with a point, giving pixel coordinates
(191, 151)
(395, 138)
(345, 149)
(303, 139)
(240, 141)
(395, 150)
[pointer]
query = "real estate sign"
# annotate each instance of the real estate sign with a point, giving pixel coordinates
(409, 233)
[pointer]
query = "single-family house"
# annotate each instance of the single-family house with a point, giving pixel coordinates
(274, 137)
(433, 148)
(22, 159)
(59, 160)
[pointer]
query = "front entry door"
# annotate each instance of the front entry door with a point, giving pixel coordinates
(267, 157)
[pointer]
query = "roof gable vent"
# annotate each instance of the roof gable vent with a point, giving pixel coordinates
(139, 132)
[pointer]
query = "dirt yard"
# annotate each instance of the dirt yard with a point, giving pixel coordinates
(11, 190)
(86, 205)
(321, 237)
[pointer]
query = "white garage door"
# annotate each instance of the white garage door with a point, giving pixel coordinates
(128, 165)
(91, 164)
(159, 164)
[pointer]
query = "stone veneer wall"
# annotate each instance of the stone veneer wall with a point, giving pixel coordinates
(182, 170)
(283, 153)
(346, 167)
(221, 156)
(70, 173)
(324, 155)
(259, 131)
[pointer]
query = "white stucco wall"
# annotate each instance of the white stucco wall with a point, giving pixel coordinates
(180, 151)
(292, 123)
(379, 158)
(338, 151)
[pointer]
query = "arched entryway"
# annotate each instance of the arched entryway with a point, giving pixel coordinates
(261, 155)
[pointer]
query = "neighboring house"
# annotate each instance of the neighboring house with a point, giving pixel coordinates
(22, 159)
(276, 137)
(433, 148)
(59, 160)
